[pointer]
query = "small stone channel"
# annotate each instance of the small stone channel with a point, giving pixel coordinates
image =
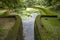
(28, 27)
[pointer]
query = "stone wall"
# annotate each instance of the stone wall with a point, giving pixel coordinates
(47, 28)
(12, 27)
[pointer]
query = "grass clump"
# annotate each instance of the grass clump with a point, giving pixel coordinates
(1, 32)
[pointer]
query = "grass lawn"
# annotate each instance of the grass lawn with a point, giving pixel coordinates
(52, 26)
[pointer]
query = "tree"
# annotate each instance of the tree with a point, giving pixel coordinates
(9, 5)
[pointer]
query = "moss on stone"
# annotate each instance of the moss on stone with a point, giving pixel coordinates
(48, 31)
(16, 32)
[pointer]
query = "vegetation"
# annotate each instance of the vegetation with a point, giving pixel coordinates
(1, 32)
(24, 8)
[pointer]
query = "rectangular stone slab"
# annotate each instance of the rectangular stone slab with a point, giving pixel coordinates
(47, 28)
(11, 27)
(6, 24)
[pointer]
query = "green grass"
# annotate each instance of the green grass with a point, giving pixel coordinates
(2, 11)
(52, 25)
(1, 32)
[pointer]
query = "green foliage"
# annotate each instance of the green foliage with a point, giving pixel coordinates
(9, 3)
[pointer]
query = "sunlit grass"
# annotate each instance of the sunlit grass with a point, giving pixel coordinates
(2, 11)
